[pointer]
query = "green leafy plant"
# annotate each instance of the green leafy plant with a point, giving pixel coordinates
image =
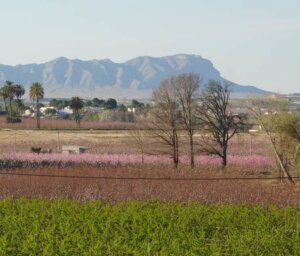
(65, 227)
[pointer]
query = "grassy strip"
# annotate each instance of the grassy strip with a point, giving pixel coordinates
(66, 227)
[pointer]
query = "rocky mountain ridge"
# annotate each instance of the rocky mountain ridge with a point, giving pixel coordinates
(135, 78)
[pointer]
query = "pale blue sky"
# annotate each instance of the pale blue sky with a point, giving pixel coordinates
(253, 42)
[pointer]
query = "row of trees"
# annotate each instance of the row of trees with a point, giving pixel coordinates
(14, 106)
(109, 104)
(179, 105)
(95, 102)
(112, 110)
(12, 97)
(12, 93)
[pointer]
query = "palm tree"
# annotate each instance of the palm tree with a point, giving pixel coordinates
(76, 104)
(36, 93)
(8, 92)
(3, 94)
(19, 92)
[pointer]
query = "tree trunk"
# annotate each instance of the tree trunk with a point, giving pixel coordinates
(192, 163)
(18, 106)
(10, 109)
(6, 109)
(37, 113)
(175, 149)
(284, 171)
(175, 163)
(77, 117)
(224, 156)
(176, 153)
(5, 106)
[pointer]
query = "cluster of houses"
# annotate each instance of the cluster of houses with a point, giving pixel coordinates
(44, 111)
(52, 111)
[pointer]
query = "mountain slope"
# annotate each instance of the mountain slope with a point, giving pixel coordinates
(63, 77)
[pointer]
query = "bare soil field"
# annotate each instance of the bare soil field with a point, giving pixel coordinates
(113, 141)
(138, 182)
(109, 141)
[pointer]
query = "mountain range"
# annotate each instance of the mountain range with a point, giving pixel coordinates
(135, 78)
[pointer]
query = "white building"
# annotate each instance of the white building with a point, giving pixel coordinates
(131, 110)
(67, 110)
(43, 109)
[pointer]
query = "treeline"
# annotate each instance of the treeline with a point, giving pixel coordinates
(81, 109)
(14, 106)
(179, 105)
(11, 94)
(96, 103)
(98, 109)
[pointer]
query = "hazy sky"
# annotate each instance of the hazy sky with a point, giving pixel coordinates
(253, 42)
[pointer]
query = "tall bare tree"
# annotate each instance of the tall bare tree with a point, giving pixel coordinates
(138, 139)
(287, 128)
(282, 131)
(186, 91)
(218, 122)
(165, 118)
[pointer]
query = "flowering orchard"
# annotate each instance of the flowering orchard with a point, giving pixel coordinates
(33, 160)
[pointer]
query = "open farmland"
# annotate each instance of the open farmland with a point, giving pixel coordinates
(113, 141)
(113, 170)
(107, 202)
(106, 141)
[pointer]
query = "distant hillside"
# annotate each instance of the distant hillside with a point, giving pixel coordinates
(63, 77)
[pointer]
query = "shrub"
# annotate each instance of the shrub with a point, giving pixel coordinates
(35, 150)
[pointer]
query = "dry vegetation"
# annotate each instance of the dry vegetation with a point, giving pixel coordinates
(111, 141)
(97, 141)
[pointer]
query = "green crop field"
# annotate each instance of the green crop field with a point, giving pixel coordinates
(66, 227)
